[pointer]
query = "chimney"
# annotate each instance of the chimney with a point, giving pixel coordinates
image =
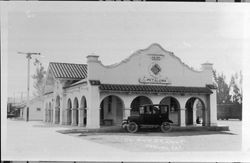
(207, 66)
(207, 69)
(93, 67)
(92, 58)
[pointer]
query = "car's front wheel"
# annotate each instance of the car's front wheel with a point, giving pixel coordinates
(165, 127)
(132, 127)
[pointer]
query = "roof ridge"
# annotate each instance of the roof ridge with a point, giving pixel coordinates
(67, 63)
(153, 85)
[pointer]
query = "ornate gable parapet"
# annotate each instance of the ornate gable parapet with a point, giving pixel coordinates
(153, 47)
(153, 65)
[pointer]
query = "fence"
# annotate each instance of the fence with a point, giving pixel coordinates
(229, 111)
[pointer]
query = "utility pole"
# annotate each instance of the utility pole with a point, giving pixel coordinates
(28, 56)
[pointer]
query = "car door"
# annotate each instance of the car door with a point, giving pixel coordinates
(155, 118)
(163, 114)
(147, 116)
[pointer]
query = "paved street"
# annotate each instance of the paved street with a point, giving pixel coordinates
(34, 140)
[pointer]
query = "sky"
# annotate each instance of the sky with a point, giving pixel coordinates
(68, 32)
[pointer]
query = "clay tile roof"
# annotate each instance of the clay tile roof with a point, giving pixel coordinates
(68, 70)
(154, 88)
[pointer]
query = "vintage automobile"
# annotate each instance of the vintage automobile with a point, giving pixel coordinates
(11, 115)
(148, 116)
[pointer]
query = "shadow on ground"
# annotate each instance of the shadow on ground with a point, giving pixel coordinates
(159, 133)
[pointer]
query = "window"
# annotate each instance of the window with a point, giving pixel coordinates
(164, 109)
(141, 110)
(154, 110)
(38, 109)
(147, 110)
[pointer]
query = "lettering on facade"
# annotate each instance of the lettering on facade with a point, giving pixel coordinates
(149, 80)
(156, 58)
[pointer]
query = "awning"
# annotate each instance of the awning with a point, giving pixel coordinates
(153, 89)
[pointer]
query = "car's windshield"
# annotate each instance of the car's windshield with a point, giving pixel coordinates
(164, 109)
(149, 109)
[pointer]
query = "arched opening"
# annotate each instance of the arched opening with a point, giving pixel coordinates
(84, 107)
(50, 112)
(140, 100)
(174, 106)
(69, 112)
(57, 111)
(111, 111)
(76, 107)
(195, 111)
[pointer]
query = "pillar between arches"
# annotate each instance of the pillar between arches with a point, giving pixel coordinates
(51, 115)
(64, 115)
(68, 116)
(126, 113)
(182, 101)
(73, 111)
(183, 117)
(57, 115)
(81, 116)
(46, 115)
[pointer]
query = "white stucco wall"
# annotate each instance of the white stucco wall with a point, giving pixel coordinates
(34, 112)
(138, 66)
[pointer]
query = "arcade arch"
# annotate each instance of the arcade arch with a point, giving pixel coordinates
(139, 100)
(195, 111)
(83, 112)
(111, 110)
(174, 106)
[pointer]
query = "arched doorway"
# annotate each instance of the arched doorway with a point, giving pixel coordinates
(174, 107)
(84, 107)
(69, 112)
(195, 111)
(140, 100)
(75, 108)
(57, 110)
(111, 110)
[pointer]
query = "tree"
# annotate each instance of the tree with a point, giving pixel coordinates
(223, 88)
(236, 88)
(39, 78)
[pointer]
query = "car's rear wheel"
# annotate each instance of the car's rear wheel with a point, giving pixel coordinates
(165, 127)
(132, 127)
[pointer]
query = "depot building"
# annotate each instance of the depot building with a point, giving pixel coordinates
(94, 94)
